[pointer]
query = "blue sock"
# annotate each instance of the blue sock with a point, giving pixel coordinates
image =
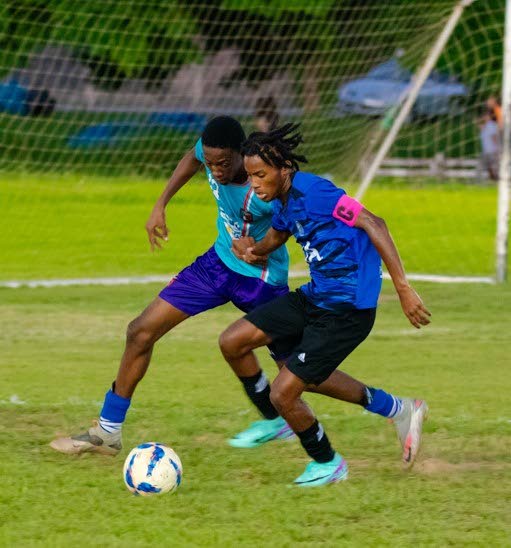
(381, 403)
(114, 411)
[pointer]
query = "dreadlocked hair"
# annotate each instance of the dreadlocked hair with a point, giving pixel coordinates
(276, 147)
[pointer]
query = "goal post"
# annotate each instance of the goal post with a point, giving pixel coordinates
(505, 161)
(406, 104)
(408, 98)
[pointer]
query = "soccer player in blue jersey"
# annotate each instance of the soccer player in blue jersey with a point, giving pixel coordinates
(323, 321)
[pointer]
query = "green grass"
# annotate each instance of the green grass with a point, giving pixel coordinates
(64, 226)
(60, 349)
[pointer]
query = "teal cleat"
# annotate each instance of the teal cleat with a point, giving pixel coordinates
(321, 473)
(261, 432)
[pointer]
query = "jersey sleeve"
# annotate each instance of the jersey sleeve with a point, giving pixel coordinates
(199, 153)
(322, 197)
(326, 200)
(277, 221)
(278, 224)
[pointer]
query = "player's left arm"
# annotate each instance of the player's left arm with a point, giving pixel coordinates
(354, 214)
(376, 228)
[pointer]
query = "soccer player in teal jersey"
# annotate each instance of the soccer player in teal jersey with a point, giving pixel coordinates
(215, 278)
(326, 319)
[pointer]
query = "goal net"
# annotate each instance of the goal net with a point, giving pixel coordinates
(102, 89)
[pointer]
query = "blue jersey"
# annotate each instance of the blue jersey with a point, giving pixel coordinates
(345, 266)
(242, 213)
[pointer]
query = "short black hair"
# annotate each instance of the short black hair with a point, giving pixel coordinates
(223, 132)
(276, 147)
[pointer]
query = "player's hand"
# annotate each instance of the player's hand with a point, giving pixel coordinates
(414, 308)
(240, 246)
(250, 258)
(243, 248)
(156, 227)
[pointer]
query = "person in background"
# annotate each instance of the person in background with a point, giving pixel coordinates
(489, 134)
(495, 108)
(266, 117)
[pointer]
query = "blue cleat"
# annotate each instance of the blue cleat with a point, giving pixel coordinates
(321, 473)
(261, 432)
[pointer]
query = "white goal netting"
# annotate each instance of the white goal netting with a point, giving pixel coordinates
(124, 87)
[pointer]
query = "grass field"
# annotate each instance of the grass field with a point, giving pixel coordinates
(64, 226)
(61, 346)
(60, 349)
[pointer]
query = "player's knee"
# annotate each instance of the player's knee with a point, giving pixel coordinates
(280, 400)
(229, 343)
(137, 335)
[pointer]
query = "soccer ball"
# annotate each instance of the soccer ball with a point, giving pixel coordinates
(152, 469)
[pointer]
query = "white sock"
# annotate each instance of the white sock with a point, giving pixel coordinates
(396, 409)
(109, 426)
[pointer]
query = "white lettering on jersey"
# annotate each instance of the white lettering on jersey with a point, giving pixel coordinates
(233, 227)
(311, 253)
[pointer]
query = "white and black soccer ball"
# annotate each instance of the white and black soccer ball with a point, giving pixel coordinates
(152, 469)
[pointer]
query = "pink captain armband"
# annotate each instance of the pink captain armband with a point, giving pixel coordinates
(347, 210)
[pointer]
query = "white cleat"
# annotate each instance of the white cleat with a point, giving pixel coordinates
(409, 428)
(94, 440)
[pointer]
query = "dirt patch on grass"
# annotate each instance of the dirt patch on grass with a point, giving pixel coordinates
(210, 439)
(440, 466)
(432, 466)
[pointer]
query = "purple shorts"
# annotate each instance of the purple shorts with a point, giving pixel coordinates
(208, 283)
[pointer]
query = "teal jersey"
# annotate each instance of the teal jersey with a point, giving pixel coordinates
(242, 213)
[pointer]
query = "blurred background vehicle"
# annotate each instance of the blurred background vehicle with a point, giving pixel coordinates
(385, 85)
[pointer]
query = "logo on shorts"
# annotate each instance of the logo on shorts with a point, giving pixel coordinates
(301, 357)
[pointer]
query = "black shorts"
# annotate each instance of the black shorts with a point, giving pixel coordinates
(315, 339)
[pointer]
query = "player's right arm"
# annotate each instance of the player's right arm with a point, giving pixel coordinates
(252, 253)
(376, 228)
(156, 225)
